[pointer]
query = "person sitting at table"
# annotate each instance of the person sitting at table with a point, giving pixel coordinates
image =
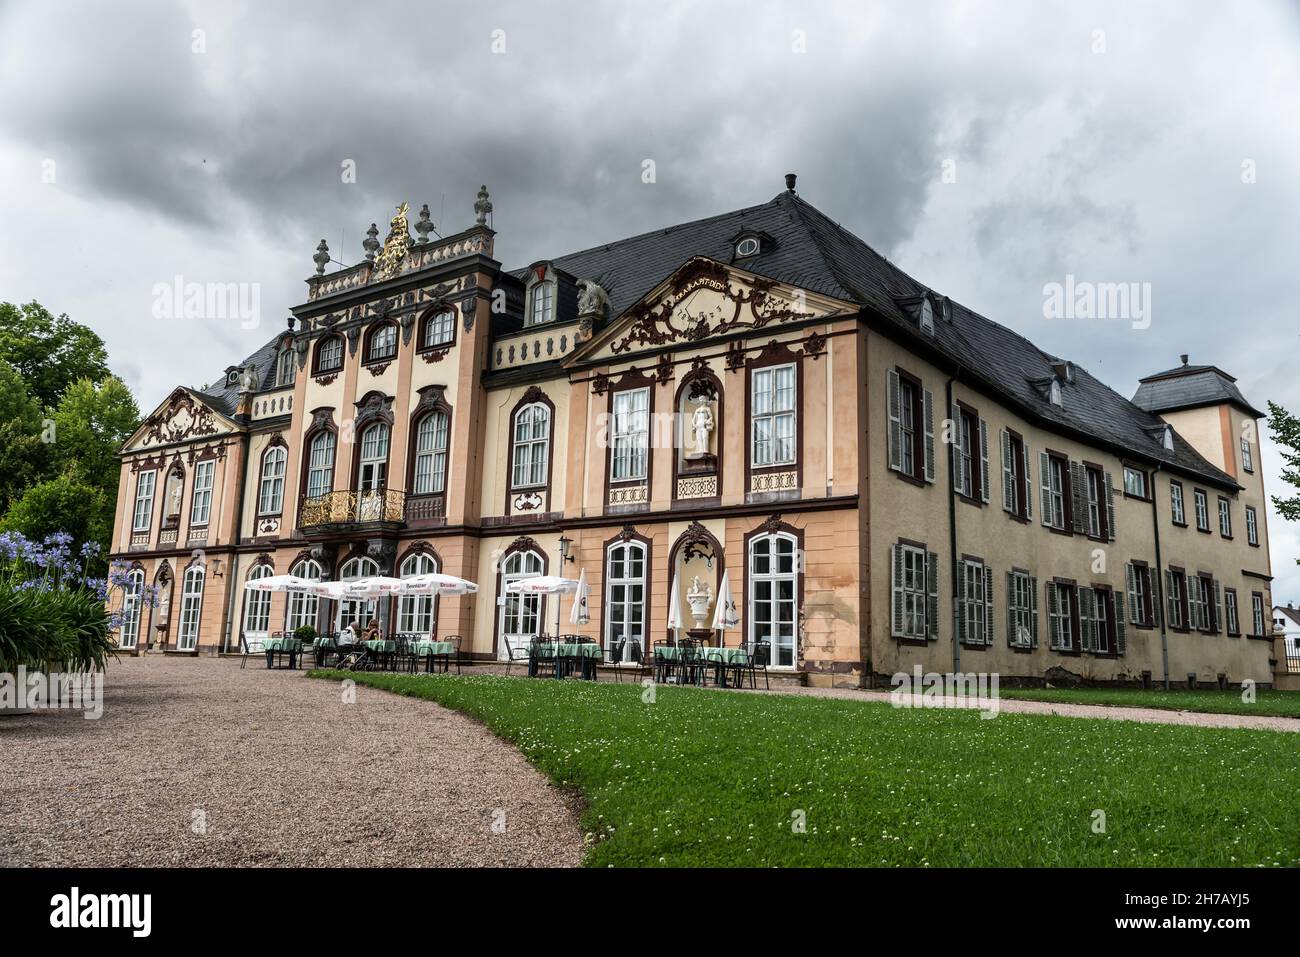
(372, 631)
(348, 636)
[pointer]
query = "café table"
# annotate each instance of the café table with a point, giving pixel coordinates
(386, 648)
(428, 650)
(275, 647)
(588, 652)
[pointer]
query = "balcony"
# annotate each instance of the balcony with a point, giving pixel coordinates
(378, 509)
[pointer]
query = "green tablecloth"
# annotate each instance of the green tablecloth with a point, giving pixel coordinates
(380, 644)
(422, 648)
(322, 643)
(570, 650)
(292, 645)
(728, 656)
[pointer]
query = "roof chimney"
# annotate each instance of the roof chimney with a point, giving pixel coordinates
(1184, 358)
(789, 182)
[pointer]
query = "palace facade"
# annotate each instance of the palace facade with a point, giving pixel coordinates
(889, 478)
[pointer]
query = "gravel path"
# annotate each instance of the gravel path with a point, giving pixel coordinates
(197, 763)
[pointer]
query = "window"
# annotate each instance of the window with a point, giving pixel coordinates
(284, 368)
(329, 355)
(541, 306)
(271, 497)
(1062, 606)
(320, 464)
(201, 502)
(1022, 610)
(144, 484)
(911, 426)
(1016, 496)
(415, 612)
(132, 595)
(382, 344)
(1101, 624)
(532, 440)
(439, 329)
(1176, 595)
(1252, 529)
(926, 320)
(1230, 609)
(303, 605)
(1177, 515)
(521, 614)
(431, 454)
(773, 596)
(1202, 510)
(975, 590)
(970, 454)
(914, 592)
(1257, 610)
(748, 246)
(1054, 392)
(373, 463)
(1225, 518)
(187, 638)
(257, 609)
(625, 604)
(1093, 488)
(1138, 579)
(631, 435)
(356, 611)
(1135, 482)
(1247, 460)
(773, 416)
(1055, 488)
(1198, 609)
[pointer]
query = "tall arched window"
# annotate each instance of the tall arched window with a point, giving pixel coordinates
(131, 599)
(625, 597)
(257, 610)
(329, 355)
(284, 367)
(320, 464)
(439, 329)
(271, 498)
(431, 454)
(357, 609)
(521, 615)
(302, 605)
(372, 471)
(532, 431)
(415, 612)
(774, 594)
(381, 344)
(187, 638)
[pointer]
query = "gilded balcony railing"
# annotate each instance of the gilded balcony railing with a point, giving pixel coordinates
(352, 507)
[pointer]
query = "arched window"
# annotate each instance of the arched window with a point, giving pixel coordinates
(187, 638)
(131, 599)
(320, 464)
(257, 610)
(439, 329)
(541, 301)
(302, 606)
(532, 431)
(357, 609)
(329, 355)
(625, 599)
(431, 454)
(521, 615)
(774, 595)
(271, 498)
(372, 473)
(415, 612)
(284, 368)
(381, 344)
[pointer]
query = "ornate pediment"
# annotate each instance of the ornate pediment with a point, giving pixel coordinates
(180, 418)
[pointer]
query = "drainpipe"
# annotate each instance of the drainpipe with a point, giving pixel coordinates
(952, 530)
(1158, 582)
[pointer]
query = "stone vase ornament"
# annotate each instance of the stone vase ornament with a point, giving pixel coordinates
(699, 598)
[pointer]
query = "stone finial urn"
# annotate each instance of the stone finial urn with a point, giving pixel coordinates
(699, 597)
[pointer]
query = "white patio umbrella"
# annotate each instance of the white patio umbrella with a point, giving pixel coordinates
(674, 607)
(579, 614)
(373, 587)
(436, 583)
(725, 615)
(280, 583)
(545, 585)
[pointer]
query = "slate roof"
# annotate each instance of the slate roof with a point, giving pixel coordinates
(1292, 613)
(224, 398)
(1187, 387)
(811, 251)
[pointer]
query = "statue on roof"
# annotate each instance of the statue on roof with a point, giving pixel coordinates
(389, 261)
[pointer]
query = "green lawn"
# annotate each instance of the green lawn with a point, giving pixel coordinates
(718, 778)
(1284, 704)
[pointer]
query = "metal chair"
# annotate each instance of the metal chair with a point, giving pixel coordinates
(760, 653)
(542, 655)
(513, 654)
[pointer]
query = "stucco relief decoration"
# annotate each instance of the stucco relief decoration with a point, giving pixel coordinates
(815, 345)
(599, 384)
(181, 418)
(527, 502)
(740, 308)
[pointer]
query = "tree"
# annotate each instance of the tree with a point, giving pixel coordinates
(1286, 433)
(24, 457)
(50, 354)
(63, 505)
(91, 422)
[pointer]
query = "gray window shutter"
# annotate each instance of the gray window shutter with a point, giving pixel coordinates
(1130, 588)
(1171, 598)
(1079, 496)
(929, 435)
(955, 450)
(1033, 612)
(1218, 606)
(959, 601)
(984, 461)
(932, 585)
(1087, 619)
(896, 589)
(1121, 644)
(988, 604)
(1110, 506)
(1029, 486)
(893, 406)
(1045, 475)
(1008, 492)
(1053, 626)
(1011, 609)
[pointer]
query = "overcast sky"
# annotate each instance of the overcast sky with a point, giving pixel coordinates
(988, 148)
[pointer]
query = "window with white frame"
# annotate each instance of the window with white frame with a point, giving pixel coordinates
(521, 614)
(257, 609)
(1095, 493)
(1176, 598)
(1257, 609)
(1225, 518)
(356, 611)
(1052, 476)
(1022, 610)
(271, 498)
(132, 600)
(1138, 586)
(439, 329)
(1247, 460)
(914, 592)
(1135, 482)
(144, 485)
(329, 354)
(284, 368)
(187, 637)
(774, 595)
(303, 605)
(1198, 605)
(320, 464)
(625, 599)
(532, 441)
(541, 303)
(201, 501)
(773, 416)
(1252, 529)
(1061, 607)
(630, 435)
(1230, 610)
(431, 454)
(1176, 512)
(1096, 621)
(975, 581)
(415, 612)
(382, 344)
(373, 462)
(1202, 510)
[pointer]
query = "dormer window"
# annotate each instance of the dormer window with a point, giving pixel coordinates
(1167, 440)
(1054, 392)
(749, 246)
(232, 377)
(926, 319)
(284, 367)
(541, 297)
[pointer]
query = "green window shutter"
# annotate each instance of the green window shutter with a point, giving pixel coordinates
(988, 604)
(929, 435)
(1110, 506)
(1008, 478)
(984, 461)
(896, 589)
(932, 587)
(893, 407)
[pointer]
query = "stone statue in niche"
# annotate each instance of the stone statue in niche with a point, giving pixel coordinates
(701, 429)
(699, 596)
(174, 498)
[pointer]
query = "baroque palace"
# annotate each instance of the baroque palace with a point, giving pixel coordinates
(888, 478)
